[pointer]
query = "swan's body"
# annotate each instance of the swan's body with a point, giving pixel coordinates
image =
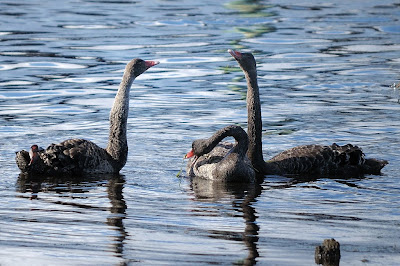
(318, 160)
(79, 156)
(333, 160)
(224, 161)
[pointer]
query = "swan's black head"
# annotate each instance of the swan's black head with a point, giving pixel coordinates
(137, 66)
(200, 147)
(246, 60)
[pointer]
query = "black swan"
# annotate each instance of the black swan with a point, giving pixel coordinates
(311, 160)
(224, 161)
(79, 156)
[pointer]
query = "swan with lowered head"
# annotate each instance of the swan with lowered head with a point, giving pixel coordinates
(320, 160)
(80, 156)
(221, 161)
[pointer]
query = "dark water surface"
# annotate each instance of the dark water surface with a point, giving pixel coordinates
(325, 71)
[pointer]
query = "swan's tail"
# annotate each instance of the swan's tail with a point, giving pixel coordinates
(22, 159)
(373, 166)
(351, 155)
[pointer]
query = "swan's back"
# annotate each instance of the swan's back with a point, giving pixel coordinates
(332, 160)
(77, 156)
(72, 156)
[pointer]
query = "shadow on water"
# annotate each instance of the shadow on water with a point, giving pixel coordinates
(244, 195)
(38, 185)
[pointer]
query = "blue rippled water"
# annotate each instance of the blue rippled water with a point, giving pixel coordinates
(325, 71)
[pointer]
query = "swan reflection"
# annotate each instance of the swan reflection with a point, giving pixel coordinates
(243, 196)
(81, 195)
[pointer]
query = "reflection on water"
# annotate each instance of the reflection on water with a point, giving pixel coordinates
(242, 196)
(251, 8)
(118, 207)
(325, 71)
(69, 191)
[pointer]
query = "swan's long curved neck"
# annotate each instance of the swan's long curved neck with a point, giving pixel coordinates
(231, 131)
(254, 121)
(117, 145)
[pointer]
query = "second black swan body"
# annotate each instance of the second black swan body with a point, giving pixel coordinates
(221, 161)
(330, 160)
(79, 156)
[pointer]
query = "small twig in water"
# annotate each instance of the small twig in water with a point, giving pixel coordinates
(180, 171)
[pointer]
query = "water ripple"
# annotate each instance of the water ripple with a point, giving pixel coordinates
(91, 27)
(370, 48)
(41, 65)
(301, 55)
(284, 41)
(132, 47)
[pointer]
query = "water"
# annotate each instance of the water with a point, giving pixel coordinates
(325, 71)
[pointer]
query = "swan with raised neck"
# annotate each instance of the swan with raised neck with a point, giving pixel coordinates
(80, 156)
(330, 160)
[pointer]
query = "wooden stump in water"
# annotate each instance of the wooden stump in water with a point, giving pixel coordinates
(329, 253)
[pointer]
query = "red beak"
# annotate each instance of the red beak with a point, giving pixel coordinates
(237, 55)
(189, 154)
(149, 64)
